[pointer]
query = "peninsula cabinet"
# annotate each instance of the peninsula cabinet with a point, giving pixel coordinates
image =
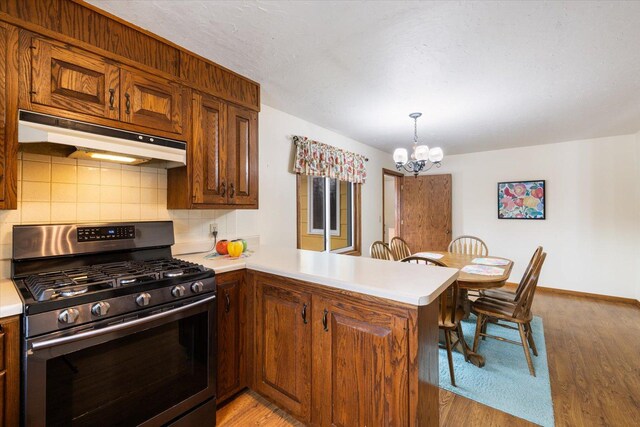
(231, 341)
(65, 79)
(283, 346)
(10, 371)
(223, 158)
(335, 358)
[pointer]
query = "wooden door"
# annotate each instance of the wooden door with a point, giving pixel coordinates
(151, 102)
(209, 150)
(229, 378)
(283, 347)
(361, 370)
(10, 372)
(242, 167)
(73, 80)
(426, 212)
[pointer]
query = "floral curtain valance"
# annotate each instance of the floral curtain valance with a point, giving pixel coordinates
(316, 158)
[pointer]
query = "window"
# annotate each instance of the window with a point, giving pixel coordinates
(340, 204)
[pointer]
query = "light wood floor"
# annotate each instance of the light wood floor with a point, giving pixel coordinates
(593, 350)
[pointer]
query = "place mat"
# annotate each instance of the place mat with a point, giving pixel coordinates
(490, 261)
(484, 270)
(216, 255)
(428, 255)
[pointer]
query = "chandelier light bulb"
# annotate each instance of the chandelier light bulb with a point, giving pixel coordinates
(436, 155)
(422, 153)
(400, 155)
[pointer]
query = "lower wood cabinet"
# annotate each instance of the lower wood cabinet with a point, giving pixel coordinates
(283, 346)
(361, 368)
(10, 371)
(231, 341)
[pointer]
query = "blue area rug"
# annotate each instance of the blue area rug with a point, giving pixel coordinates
(504, 382)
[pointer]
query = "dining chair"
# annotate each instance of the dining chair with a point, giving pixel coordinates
(468, 245)
(449, 316)
(510, 296)
(379, 250)
(399, 248)
(517, 312)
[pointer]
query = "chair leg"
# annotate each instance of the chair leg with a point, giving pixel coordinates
(484, 327)
(525, 346)
(478, 330)
(532, 343)
(447, 339)
(463, 343)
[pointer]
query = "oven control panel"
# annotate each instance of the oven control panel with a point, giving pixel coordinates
(90, 234)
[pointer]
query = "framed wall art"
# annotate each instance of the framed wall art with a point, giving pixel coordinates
(522, 200)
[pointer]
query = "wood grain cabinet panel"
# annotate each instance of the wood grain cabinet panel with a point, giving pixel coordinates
(8, 116)
(361, 366)
(242, 156)
(283, 347)
(150, 102)
(65, 78)
(10, 371)
(231, 345)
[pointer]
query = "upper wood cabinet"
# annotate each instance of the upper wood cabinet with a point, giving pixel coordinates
(80, 82)
(150, 101)
(361, 369)
(283, 347)
(71, 82)
(8, 117)
(223, 156)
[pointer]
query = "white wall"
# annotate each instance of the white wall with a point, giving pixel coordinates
(592, 230)
(637, 188)
(275, 221)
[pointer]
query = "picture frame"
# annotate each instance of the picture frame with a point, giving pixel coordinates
(522, 199)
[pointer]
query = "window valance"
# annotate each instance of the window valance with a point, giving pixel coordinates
(315, 158)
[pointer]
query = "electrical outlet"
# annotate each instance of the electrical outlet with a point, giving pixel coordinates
(213, 228)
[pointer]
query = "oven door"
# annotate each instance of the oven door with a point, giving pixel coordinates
(148, 370)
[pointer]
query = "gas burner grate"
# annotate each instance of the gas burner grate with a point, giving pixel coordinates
(65, 283)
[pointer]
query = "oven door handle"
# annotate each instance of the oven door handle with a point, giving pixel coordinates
(113, 328)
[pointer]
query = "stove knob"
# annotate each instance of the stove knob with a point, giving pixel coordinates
(100, 309)
(143, 299)
(197, 287)
(177, 291)
(68, 316)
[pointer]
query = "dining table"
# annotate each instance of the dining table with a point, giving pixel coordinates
(475, 282)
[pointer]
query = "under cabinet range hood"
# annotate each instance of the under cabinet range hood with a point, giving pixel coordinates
(55, 136)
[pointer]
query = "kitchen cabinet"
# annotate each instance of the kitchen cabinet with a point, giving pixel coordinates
(283, 346)
(10, 371)
(223, 153)
(72, 80)
(66, 80)
(231, 317)
(360, 372)
(8, 117)
(150, 101)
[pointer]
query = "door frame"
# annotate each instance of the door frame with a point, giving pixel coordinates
(398, 179)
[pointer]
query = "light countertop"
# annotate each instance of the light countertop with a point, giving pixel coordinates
(407, 283)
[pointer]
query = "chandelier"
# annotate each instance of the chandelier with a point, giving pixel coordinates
(422, 158)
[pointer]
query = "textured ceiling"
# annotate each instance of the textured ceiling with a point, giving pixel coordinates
(486, 75)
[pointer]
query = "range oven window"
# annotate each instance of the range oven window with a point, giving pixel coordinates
(128, 380)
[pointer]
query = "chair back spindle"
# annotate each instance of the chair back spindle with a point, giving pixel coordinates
(522, 308)
(527, 272)
(379, 250)
(468, 245)
(399, 248)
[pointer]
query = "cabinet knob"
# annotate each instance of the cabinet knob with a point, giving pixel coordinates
(304, 313)
(223, 189)
(232, 190)
(325, 325)
(112, 98)
(227, 302)
(127, 103)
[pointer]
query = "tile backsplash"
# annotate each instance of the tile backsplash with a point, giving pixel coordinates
(61, 190)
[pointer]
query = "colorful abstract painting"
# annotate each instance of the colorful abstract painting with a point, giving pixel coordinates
(521, 200)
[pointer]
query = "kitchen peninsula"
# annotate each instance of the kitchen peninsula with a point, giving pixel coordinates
(332, 339)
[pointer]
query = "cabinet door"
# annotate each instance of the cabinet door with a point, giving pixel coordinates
(150, 102)
(242, 169)
(209, 150)
(360, 370)
(229, 335)
(8, 116)
(10, 372)
(283, 347)
(73, 80)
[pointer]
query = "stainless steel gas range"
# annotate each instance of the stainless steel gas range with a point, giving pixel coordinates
(117, 332)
